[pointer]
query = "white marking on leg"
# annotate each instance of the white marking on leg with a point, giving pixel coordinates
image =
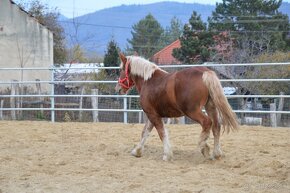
(138, 150)
(217, 152)
(204, 148)
(168, 155)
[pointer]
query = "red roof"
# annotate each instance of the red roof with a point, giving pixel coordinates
(164, 56)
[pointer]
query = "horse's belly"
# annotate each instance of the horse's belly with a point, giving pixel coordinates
(169, 112)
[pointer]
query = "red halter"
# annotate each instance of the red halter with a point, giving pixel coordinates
(126, 82)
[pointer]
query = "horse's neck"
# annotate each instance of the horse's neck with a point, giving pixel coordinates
(139, 81)
(158, 74)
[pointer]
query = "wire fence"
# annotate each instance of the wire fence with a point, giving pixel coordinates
(257, 92)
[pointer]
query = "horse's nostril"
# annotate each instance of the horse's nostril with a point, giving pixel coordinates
(118, 90)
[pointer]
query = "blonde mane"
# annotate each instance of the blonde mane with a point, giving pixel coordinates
(142, 67)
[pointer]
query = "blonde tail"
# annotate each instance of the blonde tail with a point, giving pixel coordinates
(228, 117)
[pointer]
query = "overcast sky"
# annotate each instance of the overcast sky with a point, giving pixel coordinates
(70, 8)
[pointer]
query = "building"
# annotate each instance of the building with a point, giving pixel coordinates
(164, 56)
(24, 42)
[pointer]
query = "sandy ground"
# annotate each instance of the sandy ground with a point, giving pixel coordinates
(86, 157)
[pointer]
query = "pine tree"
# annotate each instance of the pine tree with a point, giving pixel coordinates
(146, 36)
(195, 41)
(257, 25)
(111, 58)
(171, 33)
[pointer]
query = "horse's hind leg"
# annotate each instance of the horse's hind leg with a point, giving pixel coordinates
(216, 127)
(138, 150)
(205, 122)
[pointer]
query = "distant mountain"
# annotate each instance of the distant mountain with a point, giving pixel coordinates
(95, 30)
(62, 17)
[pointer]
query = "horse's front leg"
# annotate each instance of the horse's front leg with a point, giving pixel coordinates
(164, 136)
(138, 150)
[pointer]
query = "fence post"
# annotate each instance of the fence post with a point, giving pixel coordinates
(1, 112)
(81, 103)
(38, 90)
(243, 105)
(125, 110)
(182, 120)
(273, 116)
(13, 99)
(139, 117)
(17, 100)
(95, 101)
(280, 107)
(52, 96)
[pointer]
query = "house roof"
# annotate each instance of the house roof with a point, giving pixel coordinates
(164, 56)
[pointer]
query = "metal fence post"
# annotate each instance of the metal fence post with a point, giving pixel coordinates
(95, 104)
(52, 96)
(1, 107)
(125, 110)
(13, 100)
(273, 116)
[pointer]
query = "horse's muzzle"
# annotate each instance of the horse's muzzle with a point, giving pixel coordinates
(119, 89)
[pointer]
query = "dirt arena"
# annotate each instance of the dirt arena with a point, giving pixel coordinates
(86, 157)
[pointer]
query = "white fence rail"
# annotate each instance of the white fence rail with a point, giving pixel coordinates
(52, 108)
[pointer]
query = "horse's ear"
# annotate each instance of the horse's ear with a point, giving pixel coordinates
(123, 58)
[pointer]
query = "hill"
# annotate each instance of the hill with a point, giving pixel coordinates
(93, 31)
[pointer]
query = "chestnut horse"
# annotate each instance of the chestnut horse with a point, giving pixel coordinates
(176, 94)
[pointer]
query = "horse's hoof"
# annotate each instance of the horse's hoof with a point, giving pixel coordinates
(136, 152)
(205, 151)
(167, 158)
(218, 157)
(218, 154)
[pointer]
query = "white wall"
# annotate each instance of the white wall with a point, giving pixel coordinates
(23, 43)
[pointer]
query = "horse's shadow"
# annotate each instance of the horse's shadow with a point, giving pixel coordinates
(194, 157)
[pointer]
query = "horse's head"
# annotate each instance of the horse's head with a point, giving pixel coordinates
(124, 82)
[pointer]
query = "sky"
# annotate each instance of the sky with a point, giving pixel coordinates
(74, 8)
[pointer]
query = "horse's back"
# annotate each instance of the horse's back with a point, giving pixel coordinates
(193, 72)
(190, 76)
